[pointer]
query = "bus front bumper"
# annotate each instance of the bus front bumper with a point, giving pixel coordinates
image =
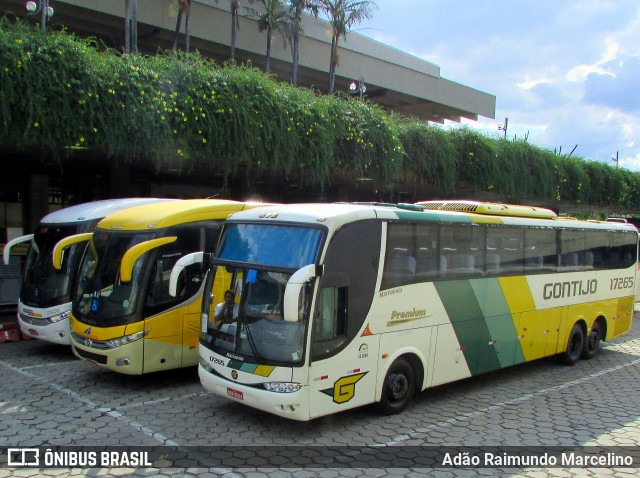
(56, 332)
(124, 359)
(294, 405)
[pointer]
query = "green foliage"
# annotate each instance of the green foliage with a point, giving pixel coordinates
(478, 164)
(430, 156)
(186, 112)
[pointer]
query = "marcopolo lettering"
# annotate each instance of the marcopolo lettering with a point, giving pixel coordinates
(575, 288)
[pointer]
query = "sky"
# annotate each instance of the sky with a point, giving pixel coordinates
(564, 72)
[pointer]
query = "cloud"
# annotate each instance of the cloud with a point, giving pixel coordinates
(617, 89)
(564, 72)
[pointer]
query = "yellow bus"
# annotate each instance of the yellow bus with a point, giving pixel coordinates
(122, 317)
(342, 305)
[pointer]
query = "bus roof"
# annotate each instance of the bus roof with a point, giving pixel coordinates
(335, 214)
(158, 216)
(94, 210)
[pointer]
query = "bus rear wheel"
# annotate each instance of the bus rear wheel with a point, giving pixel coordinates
(592, 342)
(575, 344)
(398, 388)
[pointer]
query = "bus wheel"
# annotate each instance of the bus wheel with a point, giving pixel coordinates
(398, 388)
(592, 342)
(574, 346)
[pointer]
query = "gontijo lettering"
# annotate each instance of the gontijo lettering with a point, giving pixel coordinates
(562, 290)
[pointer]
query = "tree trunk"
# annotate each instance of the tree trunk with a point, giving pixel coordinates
(296, 57)
(187, 27)
(127, 26)
(234, 32)
(177, 32)
(134, 26)
(333, 64)
(267, 66)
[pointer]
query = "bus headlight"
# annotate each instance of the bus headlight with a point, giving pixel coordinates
(127, 339)
(58, 318)
(282, 387)
(205, 365)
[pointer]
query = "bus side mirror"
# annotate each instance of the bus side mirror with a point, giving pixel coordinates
(6, 252)
(294, 286)
(133, 254)
(179, 266)
(63, 244)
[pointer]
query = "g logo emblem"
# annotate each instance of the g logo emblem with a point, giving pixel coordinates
(345, 388)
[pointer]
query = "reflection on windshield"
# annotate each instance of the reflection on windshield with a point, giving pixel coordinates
(42, 284)
(256, 328)
(100, 294)
(291, 247)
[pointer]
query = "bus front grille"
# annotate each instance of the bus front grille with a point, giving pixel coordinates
(101, 359)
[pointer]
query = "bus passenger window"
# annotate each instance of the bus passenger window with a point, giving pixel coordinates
(330, 324)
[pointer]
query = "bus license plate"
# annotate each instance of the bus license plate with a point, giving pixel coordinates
(235, 394)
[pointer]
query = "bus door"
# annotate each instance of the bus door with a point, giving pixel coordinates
(343, 354)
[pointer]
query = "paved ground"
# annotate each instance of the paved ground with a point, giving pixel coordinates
(48, 398)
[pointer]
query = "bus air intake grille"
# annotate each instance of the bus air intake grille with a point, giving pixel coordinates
(449, 206)
(101, 359)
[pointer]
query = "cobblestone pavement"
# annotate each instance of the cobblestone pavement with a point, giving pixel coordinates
(48, 398)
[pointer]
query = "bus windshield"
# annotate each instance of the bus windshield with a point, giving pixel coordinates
(284, 246)
(100, 297)
(255, 328)
(42, 284)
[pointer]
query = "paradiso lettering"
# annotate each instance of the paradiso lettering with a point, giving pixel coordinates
(575, 288)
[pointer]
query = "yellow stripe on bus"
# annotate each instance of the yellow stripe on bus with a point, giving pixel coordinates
(517, 294)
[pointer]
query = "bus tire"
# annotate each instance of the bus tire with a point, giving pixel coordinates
(575, 345)
(592, 342)
(398, 388)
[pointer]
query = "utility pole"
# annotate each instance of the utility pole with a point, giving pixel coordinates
(616, 159)
(504, 127)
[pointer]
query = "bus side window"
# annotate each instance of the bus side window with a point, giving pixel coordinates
(330, 323)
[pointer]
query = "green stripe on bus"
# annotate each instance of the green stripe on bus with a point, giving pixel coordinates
(432, 217)
(499, 320)
(237, 364)
(469, 324)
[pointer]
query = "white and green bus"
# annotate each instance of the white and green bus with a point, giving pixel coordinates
(342, 305)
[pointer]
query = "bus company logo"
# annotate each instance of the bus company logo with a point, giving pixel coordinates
(363, 352)
(567, 289)
(234, 374)
(344, 389)
(401, 317)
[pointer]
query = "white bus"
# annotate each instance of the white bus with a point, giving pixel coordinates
(45, 300)
(342, 305)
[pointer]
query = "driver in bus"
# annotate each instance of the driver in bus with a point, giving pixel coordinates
(227, 311)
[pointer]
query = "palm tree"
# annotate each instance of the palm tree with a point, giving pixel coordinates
(184, 6)
(235, 17)
(297, 8)
(274, 17)
(131, 26)
(343, 14)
